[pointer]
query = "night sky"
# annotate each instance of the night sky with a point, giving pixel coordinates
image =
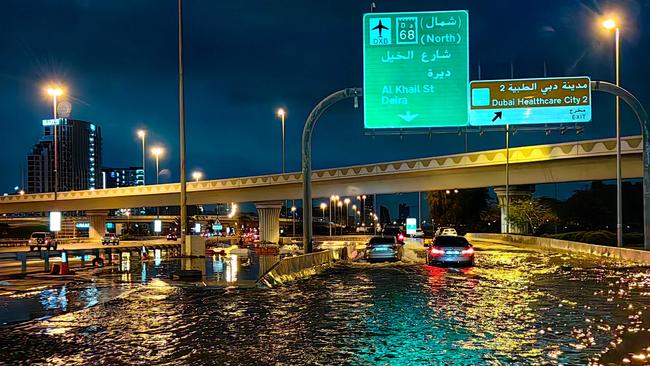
(244, 59)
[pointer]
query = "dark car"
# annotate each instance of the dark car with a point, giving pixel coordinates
(450, 250)
(395, 232)
(383, 248)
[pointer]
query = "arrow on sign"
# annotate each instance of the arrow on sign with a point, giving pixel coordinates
(497, 115)
(408, 117)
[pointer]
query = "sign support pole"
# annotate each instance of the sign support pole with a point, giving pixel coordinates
(642, 116)
(507, 179)
(314, 115)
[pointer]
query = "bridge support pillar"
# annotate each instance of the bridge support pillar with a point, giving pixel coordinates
(97, 220)
(516, 193)
(269, 220)
(194, 246)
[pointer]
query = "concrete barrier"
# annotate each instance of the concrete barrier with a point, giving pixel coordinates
(293, 268)
(633, 255)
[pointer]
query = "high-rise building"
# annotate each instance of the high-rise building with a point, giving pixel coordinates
(122, 177)
(403, 212)
(79, 158)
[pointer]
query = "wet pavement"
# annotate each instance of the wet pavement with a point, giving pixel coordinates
(516, 307)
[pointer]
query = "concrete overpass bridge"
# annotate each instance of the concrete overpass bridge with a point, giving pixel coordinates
(549, 163)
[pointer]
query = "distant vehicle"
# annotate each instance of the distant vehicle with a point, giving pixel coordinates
(110, 239)
(383, 248)
(446, 231)
(419, 233)
(447, 249)
(363, 229)
(41, 239)
(172, 236)
(395, 232)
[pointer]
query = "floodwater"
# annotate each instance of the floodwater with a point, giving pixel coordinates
(516, 307)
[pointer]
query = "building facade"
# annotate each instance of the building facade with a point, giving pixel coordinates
(122, 177)
(79, 158)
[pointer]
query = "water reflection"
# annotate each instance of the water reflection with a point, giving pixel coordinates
(514, 307)
(157, 257)
(232, 269)
(54, 299)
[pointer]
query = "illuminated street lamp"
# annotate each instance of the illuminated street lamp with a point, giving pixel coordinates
(142, 134)
(375, 219)
(55, 92)
(282, 114)
(157, 151)
(293, 219)
(609, 24)
(354, 213)
(363, 208)
(323, 206)
(332, 198)
(347, 210)
(196, 175)
(340, 206)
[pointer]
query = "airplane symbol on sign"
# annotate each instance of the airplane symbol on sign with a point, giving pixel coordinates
(380, 27)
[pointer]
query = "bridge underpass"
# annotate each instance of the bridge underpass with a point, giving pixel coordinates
(549, 163)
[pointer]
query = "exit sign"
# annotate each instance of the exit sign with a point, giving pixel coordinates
(416, 69)
(530, 101)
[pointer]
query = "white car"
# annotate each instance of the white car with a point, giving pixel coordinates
(40, 239)
(446, 231)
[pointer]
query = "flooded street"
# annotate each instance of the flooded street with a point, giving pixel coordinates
(516, 307)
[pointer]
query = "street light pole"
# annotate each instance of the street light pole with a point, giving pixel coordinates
(363, 197)
(507, 178)
(339, 204)
(293, 219)
(347, 212)
(56, 149)
(611, 24)
(142, 134)
(156, 151)
(619, 183)
(330, 222)
(55, 92)
(181, 100)
(282, 113)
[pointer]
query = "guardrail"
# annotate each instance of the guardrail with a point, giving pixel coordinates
(633, 255)
(13, 242)
(292, 268)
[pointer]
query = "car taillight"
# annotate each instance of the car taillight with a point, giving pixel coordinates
(468, 251)
(400, 237)
(437, 251)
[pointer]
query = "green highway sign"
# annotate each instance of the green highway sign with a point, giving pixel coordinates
(530, 101)
(416, 69)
